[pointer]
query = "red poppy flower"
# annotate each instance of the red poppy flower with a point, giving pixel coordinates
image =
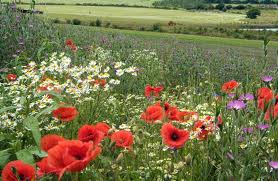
(228, 87)
(90, 133)
(272, 111)
(72, 156)
(11, 77)
(174, 137)
(69, 42)
(219, 120)
(149, 90)
(264, 96)
(153, 113)
(46, 168)
(74, 48)
(65, 113)
(49, 141)
(171, 112)
(71, 45)
(103, 127)
(23, 171)
(122, 139)
(203, 129)
(101, 82)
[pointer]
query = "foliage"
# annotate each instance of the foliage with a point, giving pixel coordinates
(253, 13)
(157, 27)
(221, 7)
(98, 22)
(76, 22)
(186, 4)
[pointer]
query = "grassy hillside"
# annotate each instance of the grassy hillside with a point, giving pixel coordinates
(126, 2)
(139, 16)
(88, 35)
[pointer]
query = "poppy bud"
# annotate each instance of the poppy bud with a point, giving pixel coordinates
(120, 157)
(188, 159)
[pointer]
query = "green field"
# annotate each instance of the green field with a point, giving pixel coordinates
(140, 16)
(85, 35)
(200, 40)
(268, 17)
(126, 2)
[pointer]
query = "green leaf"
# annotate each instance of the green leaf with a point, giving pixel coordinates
(23, 100)
(105, 160)
(33, 124)
(2, 137)
(4, 157)
(35, 151)
(26, 156)
(7, 109)
(47, 110)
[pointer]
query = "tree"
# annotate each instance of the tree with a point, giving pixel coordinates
(253, 13)
(221, 7)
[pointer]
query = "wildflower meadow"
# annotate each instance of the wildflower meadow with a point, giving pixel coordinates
(75, 112)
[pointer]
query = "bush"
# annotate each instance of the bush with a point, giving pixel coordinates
(57, 21)
(240, 7)
(98, 22)
(157, 27)
(92, 23)
(253, 13)
(229, 7)
(76, 22)
(115, 26)
(221, 7)
(142, 28)
(107, 25)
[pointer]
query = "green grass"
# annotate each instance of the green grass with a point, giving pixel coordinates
(126, 2)
(140, 16)
(268, 17)
(244, 46)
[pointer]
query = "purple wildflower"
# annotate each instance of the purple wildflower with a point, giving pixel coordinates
(263, 126)
(236, 104)
(273, 164)
(247, 130)
(267, 78)
(241, 139)
(246, 97)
